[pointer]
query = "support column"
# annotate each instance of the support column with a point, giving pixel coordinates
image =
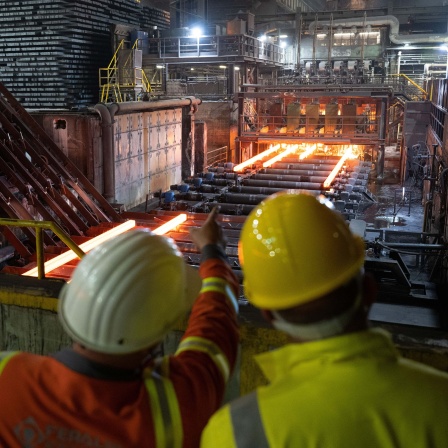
(382, 138)
(187, 143)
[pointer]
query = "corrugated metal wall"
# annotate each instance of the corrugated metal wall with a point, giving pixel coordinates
(51, 50)
(148, 154)
(147, 150)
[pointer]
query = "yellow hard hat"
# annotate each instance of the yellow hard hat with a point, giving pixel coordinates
(294, 249)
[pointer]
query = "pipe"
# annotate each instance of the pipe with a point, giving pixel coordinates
(145, 106)
(107, 141)
(302, 166)
(425, 215)
(312, 160)
(388, 20)
(259, 190)
(234, 209)
(287, 178)
(283, 185)
(295, 172)
(241, 198)
(414, 246)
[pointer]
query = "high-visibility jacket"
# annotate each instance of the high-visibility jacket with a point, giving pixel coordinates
(348, 391)
(61, 401)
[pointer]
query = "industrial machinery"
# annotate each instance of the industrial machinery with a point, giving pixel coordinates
(51, 214)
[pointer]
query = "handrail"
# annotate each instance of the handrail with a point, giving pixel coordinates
(146, 82)
(108, 77)
(425, 93)
(111, 74)
(113, 61)
(39, 226)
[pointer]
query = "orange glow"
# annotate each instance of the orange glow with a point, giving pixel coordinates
(68, 256)
(253, 159)
(309, 150)
(171, 224)
(347, 154)
(288, 150)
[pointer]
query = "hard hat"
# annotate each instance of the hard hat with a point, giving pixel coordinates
(127, 293)
(293, 249)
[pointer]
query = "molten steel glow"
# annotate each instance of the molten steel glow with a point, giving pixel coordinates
(309, 150)
(260, 156)
(68, 256)
(288, 150)
(336, 169)
(171, 224)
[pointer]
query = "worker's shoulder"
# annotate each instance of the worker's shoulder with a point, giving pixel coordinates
(6, 357)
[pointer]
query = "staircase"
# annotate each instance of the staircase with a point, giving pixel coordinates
(124, 78)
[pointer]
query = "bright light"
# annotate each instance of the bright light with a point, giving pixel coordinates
(222, 66)
(347, 154)
(288, 150)
(262, 38)
(236, 68)
(196, 32)
(253, 159)
(68, 256)
(171, 224)
(192, 69)
(283, 36)
(444, 47)
(282, 44)
(160, 66)
(307, 152)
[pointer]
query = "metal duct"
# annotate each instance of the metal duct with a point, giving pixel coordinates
(390, 21)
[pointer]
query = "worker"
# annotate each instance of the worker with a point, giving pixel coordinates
(109, 390)
(338, 383)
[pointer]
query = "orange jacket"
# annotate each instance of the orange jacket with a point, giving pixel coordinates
(55, 401)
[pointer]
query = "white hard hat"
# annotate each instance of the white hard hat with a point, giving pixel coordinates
(126, 294)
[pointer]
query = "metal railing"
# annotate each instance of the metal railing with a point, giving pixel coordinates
(411, 88)
(118, 77)
(108, 77)
(216, 156)
(358, 126)
(214, 46)
(38, 227)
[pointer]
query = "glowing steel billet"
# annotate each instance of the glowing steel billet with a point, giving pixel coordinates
(171, 224)
(64, 258)
(253, 159)
(307, 152)
(289, 150)
(336, 169)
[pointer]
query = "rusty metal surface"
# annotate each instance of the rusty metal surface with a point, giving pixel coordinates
(39, 182)
(22, 126)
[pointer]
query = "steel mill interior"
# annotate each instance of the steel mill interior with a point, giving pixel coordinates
(139, 113)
